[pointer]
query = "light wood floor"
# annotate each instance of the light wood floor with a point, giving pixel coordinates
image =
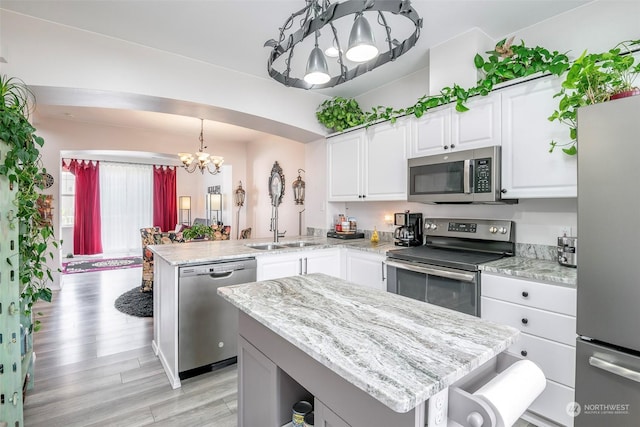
(95, 367)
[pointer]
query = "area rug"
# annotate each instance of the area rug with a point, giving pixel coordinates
(100, 264)
(135, 303)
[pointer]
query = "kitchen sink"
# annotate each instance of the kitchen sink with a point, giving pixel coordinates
(299, 244)
(265, 246)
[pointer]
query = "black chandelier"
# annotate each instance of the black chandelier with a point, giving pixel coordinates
(361, 49)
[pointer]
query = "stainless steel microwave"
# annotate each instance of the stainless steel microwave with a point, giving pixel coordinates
(468, 176)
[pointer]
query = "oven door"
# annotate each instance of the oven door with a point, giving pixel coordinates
(457, 290)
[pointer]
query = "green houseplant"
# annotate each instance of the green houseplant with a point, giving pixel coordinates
(505, 62)
(339, 113)
(23, 167)
(198, 231)
(594, 78)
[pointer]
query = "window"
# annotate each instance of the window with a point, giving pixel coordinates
(67, 199)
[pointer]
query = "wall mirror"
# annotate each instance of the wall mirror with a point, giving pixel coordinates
(276, 185)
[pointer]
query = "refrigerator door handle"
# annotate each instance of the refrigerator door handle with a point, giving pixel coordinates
(615, 369)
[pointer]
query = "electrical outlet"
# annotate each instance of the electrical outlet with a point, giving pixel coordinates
(565, 230)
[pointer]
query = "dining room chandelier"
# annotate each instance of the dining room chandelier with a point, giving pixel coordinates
(352, 59)
(201, 160)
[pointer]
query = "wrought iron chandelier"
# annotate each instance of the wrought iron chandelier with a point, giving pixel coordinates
(201, 160)
(361, 53)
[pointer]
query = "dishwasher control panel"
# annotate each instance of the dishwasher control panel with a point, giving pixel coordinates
(218, 268)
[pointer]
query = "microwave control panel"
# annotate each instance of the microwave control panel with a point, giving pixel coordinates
(482, 176)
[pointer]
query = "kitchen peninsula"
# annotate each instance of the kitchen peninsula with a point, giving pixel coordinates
(366, 358)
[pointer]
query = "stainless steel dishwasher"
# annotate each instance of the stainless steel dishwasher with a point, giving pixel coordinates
(208, 325)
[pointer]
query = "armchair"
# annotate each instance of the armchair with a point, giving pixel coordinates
(153, 236)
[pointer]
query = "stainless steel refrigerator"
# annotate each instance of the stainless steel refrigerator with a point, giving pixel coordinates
(608, 319)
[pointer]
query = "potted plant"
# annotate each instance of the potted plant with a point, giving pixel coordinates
(198, 232)
(591, 79)
(338, 114)
(23, 167)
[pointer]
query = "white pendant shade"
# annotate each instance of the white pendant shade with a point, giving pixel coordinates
(317, 70)
(362, 45)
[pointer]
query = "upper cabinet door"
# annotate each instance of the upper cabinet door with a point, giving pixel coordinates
(528, 169)
(478, 127)
(385, 166)
(344, 166)
(443, 129)
(369, 164)
(431, 133)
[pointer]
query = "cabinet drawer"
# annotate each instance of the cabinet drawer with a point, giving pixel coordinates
(554, 326)
(556, 298)
(552, 403)
(557, 360)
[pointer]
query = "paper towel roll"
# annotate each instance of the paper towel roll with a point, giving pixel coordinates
(512, 391)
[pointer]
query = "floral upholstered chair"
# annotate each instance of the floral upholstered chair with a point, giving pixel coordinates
(153, 236)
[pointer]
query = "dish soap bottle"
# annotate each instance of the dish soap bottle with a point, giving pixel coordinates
(374, 236)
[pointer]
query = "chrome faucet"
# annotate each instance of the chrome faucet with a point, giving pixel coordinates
(274, 226)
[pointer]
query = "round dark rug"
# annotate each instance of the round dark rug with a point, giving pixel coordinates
(135, 303)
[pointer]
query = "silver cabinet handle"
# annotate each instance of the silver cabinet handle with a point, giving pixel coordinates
(439, 272)
(300, 266)
(383, 278)
(614, 369)
(305, 266)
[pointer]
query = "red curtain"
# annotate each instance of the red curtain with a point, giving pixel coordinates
(165, 209)
(86, 228)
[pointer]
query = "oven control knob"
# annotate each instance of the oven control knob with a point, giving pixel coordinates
(502, 230)
(493, 230)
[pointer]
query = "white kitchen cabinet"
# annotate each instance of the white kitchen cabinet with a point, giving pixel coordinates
(369, 164)
(275, 266)
(528, 169)
(344, 166)
(545, 314)
(444, 129)
(366, 269)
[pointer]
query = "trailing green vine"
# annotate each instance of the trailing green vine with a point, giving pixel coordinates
(23, 167)
(505, 62)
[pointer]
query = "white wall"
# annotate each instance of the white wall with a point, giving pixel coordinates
(537, 221)
(596, 26)
(50, 55)
(261, 155)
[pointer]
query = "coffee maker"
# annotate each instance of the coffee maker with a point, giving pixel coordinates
(409, 232)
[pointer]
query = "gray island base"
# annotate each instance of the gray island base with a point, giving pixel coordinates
(364, 358)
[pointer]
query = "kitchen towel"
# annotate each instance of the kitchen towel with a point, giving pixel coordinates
(512, 391)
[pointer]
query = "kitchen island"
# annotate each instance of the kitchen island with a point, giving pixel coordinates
(366, 358)
(169, 259)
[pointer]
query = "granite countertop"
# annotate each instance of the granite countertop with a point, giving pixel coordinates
(399, 350)
(528, 268)
(208, 251)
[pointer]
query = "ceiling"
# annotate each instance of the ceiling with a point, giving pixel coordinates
(231, 34)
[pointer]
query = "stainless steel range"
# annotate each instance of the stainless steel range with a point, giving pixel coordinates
(444, 271)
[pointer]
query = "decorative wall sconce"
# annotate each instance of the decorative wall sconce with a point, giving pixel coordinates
(239, 197)
(298, 195)
(298, 189)
(184, 203)
(214, 204)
